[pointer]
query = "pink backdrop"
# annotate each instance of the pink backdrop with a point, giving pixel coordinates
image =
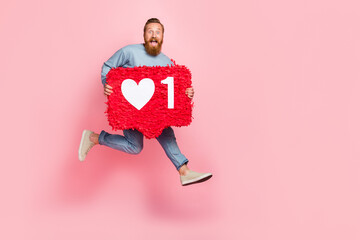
(276, 120)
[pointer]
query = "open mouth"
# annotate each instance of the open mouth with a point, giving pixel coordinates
(153, 42)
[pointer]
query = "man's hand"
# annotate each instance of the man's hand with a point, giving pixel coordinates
(107, 90)
(190, 92)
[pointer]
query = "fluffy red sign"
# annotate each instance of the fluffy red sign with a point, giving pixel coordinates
(149, 99)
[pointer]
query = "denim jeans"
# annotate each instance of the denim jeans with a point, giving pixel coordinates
(132, 142)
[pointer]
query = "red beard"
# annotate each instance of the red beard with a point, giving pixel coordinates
(153, 50)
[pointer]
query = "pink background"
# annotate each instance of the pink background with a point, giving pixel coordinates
(276, 121)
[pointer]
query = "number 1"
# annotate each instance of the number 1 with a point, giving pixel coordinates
(170, 82)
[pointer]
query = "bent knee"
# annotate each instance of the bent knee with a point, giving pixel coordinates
(136, 149)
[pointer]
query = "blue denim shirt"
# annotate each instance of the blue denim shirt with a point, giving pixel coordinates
(131, 56)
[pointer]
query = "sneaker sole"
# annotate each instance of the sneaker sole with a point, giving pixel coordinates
(197, 180)
(81, 143)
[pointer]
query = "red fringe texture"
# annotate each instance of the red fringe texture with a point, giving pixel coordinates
(155, 115)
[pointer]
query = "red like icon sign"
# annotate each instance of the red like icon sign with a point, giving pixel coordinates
(149, 99)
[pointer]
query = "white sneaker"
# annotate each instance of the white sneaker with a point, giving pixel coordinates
(194, 177)
(85, 144)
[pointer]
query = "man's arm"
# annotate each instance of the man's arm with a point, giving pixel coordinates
(119, 59)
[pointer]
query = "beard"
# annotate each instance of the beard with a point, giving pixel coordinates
(153, 50)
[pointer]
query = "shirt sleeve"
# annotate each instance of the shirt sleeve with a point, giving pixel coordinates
(119, 59)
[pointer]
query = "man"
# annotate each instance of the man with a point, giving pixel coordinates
(147, 54)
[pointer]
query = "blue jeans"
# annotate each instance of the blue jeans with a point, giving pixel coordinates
(132, 142)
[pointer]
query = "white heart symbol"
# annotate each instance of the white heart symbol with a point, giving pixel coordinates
(138, 95)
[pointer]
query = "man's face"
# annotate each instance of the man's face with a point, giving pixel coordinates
(153, 37)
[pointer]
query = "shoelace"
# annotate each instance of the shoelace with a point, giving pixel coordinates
(87, 150)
